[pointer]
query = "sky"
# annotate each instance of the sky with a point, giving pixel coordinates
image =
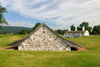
(57, 14)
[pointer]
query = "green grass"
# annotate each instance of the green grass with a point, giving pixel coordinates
(17, 58)
(6, 39)
(91, 42)
(49, 59)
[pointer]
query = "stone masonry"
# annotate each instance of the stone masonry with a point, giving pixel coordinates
(44, 39)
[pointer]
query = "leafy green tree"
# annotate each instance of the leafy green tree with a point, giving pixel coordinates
(72, 28)
(96, 28)
(78, 28)
(99, 32)
(94, 32)
(5, 32)
(89, 29)
(29, 31)
(63, 31)
(59, 31)
(36, 25)
(2, 19)
(86, 25)
(24, 31)
(55, 31)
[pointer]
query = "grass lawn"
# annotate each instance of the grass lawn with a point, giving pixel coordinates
(17, 58)
(6, 39)
(91, 42)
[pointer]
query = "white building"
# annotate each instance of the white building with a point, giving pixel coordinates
(76, 33)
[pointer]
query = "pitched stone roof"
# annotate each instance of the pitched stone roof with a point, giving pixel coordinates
(71, 44)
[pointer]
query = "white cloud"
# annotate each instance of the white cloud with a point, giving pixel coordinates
(61, 12)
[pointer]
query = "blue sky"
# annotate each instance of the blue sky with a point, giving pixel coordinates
(57, 14)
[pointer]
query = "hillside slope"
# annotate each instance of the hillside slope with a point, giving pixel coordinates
(13, 29)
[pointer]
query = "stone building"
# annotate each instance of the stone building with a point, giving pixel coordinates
(44, 38)
(76, 33)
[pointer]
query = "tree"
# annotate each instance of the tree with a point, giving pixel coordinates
(78, 28)
(72, 27)
(55, 31)
(99, 32)
(36, 25)
(63, 31)
(86, 25)
(94, 32)
(5, 32)
(2, 19)
(96, 28)
(59, 31)
(24, 31)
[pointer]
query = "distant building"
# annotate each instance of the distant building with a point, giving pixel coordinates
(76, 33)
(10, 33)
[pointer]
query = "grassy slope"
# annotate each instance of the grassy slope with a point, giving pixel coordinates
(91, 42)
(6, 39)
(14, 58)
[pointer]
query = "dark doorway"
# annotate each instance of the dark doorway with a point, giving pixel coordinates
(74, 49)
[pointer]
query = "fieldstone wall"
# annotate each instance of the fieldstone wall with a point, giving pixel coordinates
(44, 39)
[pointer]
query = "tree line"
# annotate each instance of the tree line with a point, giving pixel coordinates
(95, 30)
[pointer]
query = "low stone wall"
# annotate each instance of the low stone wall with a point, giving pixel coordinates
(44, 39)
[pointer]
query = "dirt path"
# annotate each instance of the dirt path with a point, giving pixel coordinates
(7, 48)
